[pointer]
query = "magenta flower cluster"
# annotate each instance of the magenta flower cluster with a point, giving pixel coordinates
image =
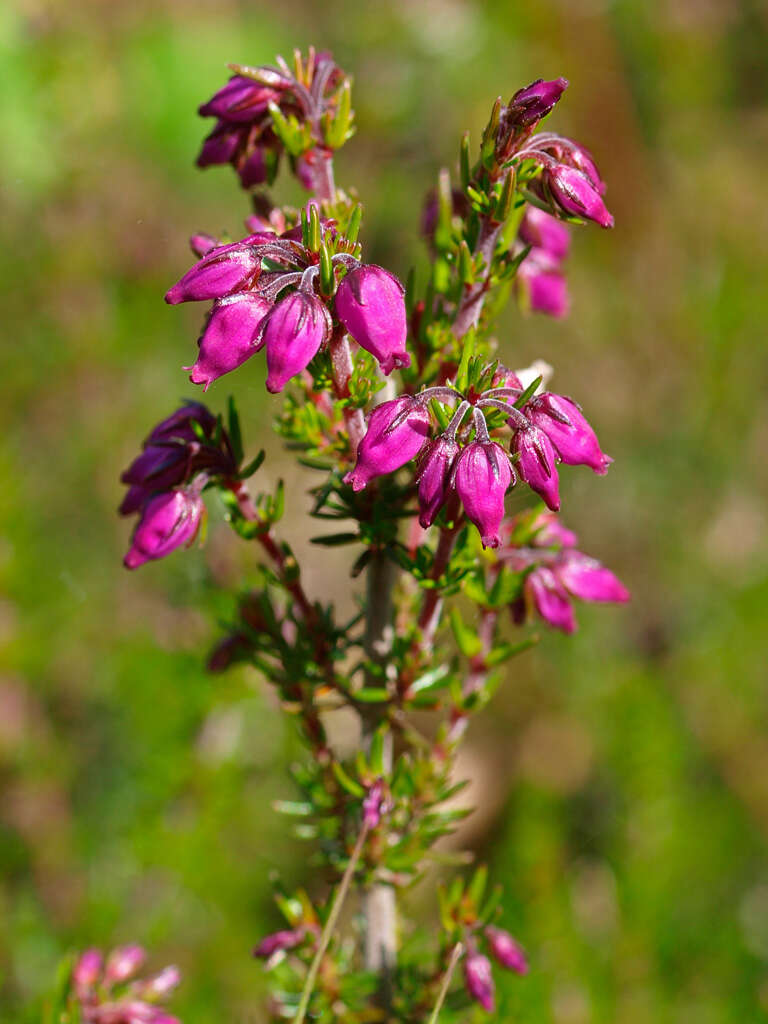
(166, 480)
(556, 573)
(464, 461)
(110, 993)
(478, 975)
(247, 314)
(244, 134)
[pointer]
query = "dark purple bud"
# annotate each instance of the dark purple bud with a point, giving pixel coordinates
(178, 426)
(543, 231)
(304, 170)
(564, 424)
(541, 288)
(159, 467)
(479, 980)
(285, 939)
(254, 170)
(575, 194)
(505, 950)
(434, 478)
(550, 598)
(241, 99)
(537, 464)
(87, 970)
(293, 332)
(123, 963)
(167, 522)
(529, 105)
(550, 532)
(220, 146)
(229, 337)
(587, 579)
(135, 497)
(396, 434)
(230, 268)
(370, 304)
(482, 476)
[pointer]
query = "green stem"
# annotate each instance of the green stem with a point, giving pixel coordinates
(330, 924)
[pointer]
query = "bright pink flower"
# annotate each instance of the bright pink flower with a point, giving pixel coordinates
(479, 979)
(168, 521)
(123, 963)
(543, 231)
(87, 970)
(370, 304)
(482, 476)
(587, 579)
(228, 339)
(505, 950)
(293, 332)
(541, 287)
(550, 598)
(226, 269)
(397, 431)
(536, 463)
(564, 424)
(576, 195)
(285, 939)
(434, 478)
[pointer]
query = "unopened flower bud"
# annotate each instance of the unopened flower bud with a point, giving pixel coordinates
(576, 195)
(529, 105)
(285, 939)
(178, 426)
(434, 478)
(396, 434)
(505, 950)
(481, 478)
(224, 270)
(123, 963)
(167, 522)
(87, 970)
(479, 979)
(159, 467)
(565, 425)
(537, 463)
(241, 99)
(293, 332)
(370, 304)
(228, 339)
(201, 244)
(220, 146)
(254, 169)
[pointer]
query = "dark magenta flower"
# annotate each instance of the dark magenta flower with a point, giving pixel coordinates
(226, 269)
(254, 169)
(564, 424)
(168, 521)
(505, 950)
(575, 194)
(285, 939)
(228, 339)
(397, 431)
(220, 146)
(178, 426)
(529, 105)
(541, 230)
(293, 332)
(479, 980)
(482, 476)
(434, 477)
(537, 463)
(160, 466)
(370, 303)
(241, 99)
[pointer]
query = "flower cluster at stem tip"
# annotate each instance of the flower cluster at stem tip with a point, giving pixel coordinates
(108, 992)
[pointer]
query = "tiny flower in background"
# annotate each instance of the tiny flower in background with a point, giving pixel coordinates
(397, 431)
(540, 283)
(505, 950)
(370, 303)
(374, 804)
(481, 478)
(108, 995)
(279, 941)
(479, 979)
(168, 521)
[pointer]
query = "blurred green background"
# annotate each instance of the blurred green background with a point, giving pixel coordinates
(622, 778)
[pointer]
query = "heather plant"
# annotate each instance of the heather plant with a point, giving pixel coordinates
(393, 396)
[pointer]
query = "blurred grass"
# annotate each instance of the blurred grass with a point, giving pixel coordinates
(626, 797)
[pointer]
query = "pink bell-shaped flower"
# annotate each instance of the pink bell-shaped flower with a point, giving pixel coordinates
(482, 476)
(370, 304)
(293, 332)
(168, 521)
(228, 339)
(397, 431)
